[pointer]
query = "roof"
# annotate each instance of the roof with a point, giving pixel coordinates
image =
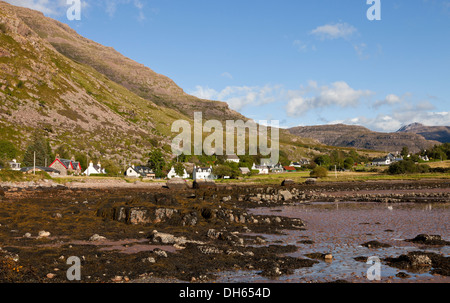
(143, 170)
(232, 157)
(68, 164)
(42, 168)
(244, 169)
(289, 168)
(201, 169)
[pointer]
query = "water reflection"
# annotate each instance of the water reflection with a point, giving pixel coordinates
(340, 228)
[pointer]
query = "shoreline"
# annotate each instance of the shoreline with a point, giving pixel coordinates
(188, 235)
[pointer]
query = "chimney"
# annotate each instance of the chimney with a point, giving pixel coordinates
(99, 164)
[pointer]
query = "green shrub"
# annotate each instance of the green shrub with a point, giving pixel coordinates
(407, 167)
(319, 172)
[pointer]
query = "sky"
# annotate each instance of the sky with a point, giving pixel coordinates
(299, 62)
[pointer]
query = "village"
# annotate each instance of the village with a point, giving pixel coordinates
(61, 167)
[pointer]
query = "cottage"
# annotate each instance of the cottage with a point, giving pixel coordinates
(233, 158)
(388, 160)
(424, 158)
(203, 173)
(14, 165)
(296, 164)
(277, 169)
(304, 162)
(94, 169)
(49, 170)
(140, 172)
(263, 169)
(289, 169)
(244, 170)
(66, 167)
(172, 174)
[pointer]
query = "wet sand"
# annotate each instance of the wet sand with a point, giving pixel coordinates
(341, 228)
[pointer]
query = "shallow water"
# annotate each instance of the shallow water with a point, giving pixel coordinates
(341, 228)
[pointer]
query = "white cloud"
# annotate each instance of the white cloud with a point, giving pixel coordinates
(394, 121)
(338, 94)
(303, 46)
(227, 75)
(239, 97)
(47, 7)
(389, 100)
(334, 31)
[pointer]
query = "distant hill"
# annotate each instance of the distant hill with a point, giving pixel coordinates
(360, 137)
(436, 133)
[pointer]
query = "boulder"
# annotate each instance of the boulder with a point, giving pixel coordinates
(429, 240)
(287, 182)
(177, 183)
(311, 181)
(286, 195)
(43, 234)
(96, 237)
(203, 184)
(165, 238)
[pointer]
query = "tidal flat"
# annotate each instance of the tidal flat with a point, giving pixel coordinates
(321, 232)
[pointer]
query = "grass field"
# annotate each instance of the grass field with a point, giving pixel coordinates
(298, 177)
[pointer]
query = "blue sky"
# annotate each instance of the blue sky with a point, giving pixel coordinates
(300, 62)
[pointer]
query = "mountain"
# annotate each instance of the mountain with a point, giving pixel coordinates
(436, 133)
(85, 95)
(362, 138)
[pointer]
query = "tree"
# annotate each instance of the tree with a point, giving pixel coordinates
(222, 171)
(63, 152)
(7, 150)
(82, 158)
(348, 163)
(323, 160)
(407, 167)
(319, 172)
(110, 167)
(405, 151)
(41, 147)
(179, 169)
(156, 162)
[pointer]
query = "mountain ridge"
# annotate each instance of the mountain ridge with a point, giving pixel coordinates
(361, 137)
(436, 133)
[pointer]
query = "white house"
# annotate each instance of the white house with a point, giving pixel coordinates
(381, 161)
(388, 160)
(296, 164)
(277, 168)
(94, 169)
(263, 169)
(203, 173)
(233, 158)
(172, 174)
(424, 158)
(139, 171)
(14, 165)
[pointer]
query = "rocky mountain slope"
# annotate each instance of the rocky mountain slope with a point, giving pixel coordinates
(83, 94)
(363, 138)
(436, 133)
(103, 105)
(134, 76)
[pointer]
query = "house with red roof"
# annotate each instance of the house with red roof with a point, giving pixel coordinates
(289, 169)
(66, 167)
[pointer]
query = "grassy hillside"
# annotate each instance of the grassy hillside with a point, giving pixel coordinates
(94, 100)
